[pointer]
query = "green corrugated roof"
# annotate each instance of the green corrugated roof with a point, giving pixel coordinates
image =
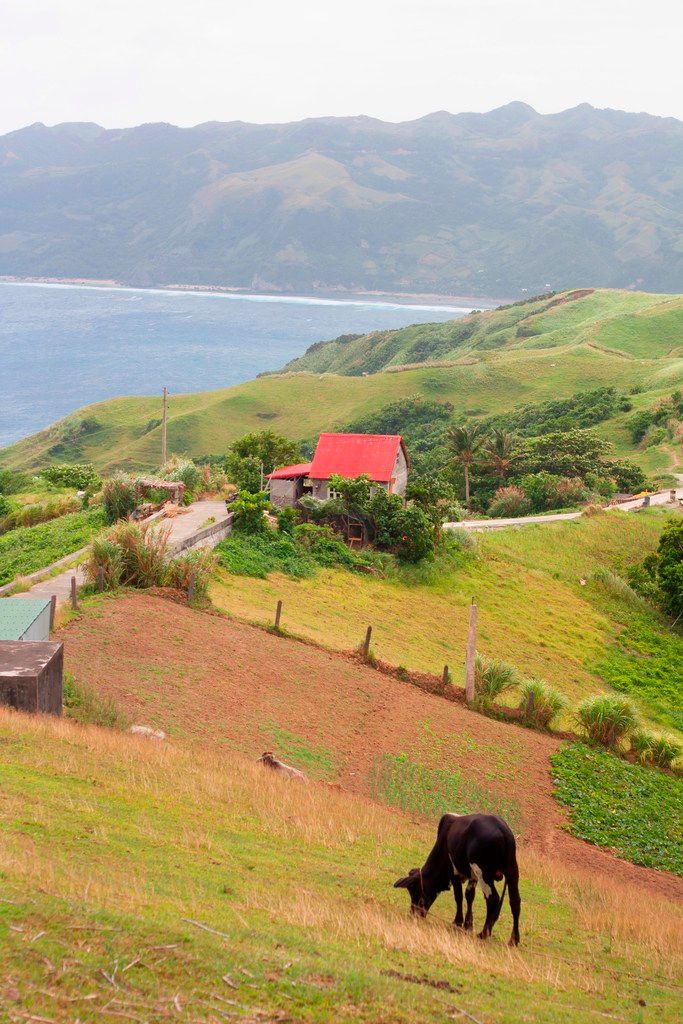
(17, 614)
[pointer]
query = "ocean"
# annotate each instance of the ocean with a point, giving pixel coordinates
(65, 346)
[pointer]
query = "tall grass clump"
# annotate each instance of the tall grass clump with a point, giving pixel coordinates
(183, 471)
(132, 555)
(540, 703)
(607, 719)
(119, 497)
(196, 566)
(491, 679)
(649, 748)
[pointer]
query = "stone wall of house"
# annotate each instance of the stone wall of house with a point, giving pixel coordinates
(400, 474)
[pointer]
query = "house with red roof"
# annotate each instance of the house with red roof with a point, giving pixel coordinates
(382, 457)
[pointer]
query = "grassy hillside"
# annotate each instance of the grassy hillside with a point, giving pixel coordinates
(151, 882)
(533, 609)
(497, 374)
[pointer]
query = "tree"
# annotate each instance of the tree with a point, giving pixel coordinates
(500, 451)
(265, 448)
(565, 453)
(437, 499)
(248, 512)
(670, 566)
(465, 444)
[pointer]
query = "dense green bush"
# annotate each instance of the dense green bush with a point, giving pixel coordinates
(670, 566)
(251, 453)
(248, 511)
(540, 703)
(29, 548)
(79, 475)
(119, 497)
(298, 555)
(31, 515)
(547, 491)
(606, 719)
(183, 471)
(12, 482)
(628, 808)
(509, 502)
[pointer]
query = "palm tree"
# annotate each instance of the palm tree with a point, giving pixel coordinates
(465, 444)
(500, 452)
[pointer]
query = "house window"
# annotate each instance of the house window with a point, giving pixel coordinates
(332, 493)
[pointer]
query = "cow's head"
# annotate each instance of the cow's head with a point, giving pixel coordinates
(421, 889)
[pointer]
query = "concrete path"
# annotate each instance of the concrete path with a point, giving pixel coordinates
(186, 531)
(660, 498)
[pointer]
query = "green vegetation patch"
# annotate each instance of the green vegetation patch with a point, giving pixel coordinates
(631, 809)
(317, 761)
(646, 663)
(30, 548)
(298, 556)
(432, 792)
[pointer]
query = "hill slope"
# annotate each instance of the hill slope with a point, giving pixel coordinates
(523, 354)
(476, 204)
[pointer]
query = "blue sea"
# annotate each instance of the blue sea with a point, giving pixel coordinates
(65, 346)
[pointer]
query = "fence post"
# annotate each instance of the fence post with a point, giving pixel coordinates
(444, 678)
(53, 611)
(470, 655)
(190, 588)
(74, 594)
(278, 613)
(100, 579)
(365, 648)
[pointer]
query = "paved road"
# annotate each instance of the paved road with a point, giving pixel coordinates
(182, 529)
(660, 498)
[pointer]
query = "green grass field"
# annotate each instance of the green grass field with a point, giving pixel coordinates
(533, 610)
(566, 356)
(153, 882)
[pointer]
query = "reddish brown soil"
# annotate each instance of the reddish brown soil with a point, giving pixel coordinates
(203, 677)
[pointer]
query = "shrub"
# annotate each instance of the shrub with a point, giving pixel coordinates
(606, 719)
(197, 565)
(509, 502)
(107, 555)
(540, 704)
(182, 470)
(548, 490)
(12, 482)
(670, 566)
(287, 519)
(6, 506)
(86, 706)
(31, 515)
(79, 475)
(649, 748)
(248, 512)
(142, 558)
(28, 548)
(119, 497)
(491, 678)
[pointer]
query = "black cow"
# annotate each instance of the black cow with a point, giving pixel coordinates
(472, 848)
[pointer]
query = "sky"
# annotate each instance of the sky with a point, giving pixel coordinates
(129, 62)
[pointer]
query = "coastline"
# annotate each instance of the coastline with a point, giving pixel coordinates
(329, 294)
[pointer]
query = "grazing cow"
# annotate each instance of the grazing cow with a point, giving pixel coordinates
(269, 759)
(469, 848)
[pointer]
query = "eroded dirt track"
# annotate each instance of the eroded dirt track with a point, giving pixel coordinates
(204, 678)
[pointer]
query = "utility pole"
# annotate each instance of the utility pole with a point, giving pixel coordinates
(471, 654)
(164, 424)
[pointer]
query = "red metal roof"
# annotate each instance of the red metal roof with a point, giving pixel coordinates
(288, 472)
(352, 455)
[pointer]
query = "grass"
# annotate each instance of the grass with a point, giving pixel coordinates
(87, 707)
(317, 761)
(114, 851)
(629, 808)
(412, 786)
(562, 360)
(30, 548)
(533, 611)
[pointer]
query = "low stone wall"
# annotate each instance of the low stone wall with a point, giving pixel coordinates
(206, 538)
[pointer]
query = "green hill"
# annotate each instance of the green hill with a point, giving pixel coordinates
(486, 364)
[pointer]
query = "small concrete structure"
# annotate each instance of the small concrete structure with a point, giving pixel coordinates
(31, 676)
(25, 618)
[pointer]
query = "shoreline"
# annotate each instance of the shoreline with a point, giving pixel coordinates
(324, 295)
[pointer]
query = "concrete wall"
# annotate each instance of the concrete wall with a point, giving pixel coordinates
(206, 538)
(400, 474)
(31, 676)
(285, 492)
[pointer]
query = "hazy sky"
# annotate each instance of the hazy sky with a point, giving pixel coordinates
(124, 62)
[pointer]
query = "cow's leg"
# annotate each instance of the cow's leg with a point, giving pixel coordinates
(469, 897)
(457, 893)
(515, 905)
(492, 906)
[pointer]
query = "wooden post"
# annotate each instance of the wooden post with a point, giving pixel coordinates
(100, 578)
(444, 678)
(471, 652)
(53, 611)
(278, 613)
(190, 588)
(74, 594)
(164, 427)
(365, 649)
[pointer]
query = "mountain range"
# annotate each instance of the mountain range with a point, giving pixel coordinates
(495, 204)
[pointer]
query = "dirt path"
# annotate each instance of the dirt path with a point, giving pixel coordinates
(204, 678)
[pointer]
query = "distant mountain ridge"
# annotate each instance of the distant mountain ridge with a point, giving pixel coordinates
(477, 204)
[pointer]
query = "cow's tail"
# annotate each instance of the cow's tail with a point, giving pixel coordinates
(502, 897)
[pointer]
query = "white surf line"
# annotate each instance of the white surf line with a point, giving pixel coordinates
(301, 300)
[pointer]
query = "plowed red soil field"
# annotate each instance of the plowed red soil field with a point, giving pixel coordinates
(207, 679)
